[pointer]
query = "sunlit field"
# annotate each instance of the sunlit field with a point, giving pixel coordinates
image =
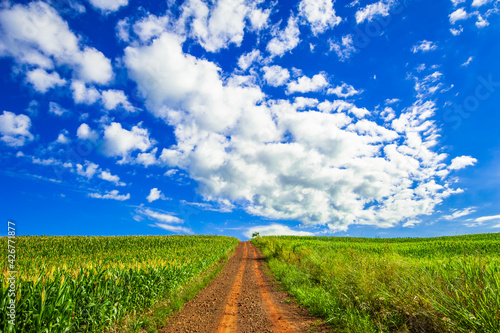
(445, 284)
(70, 284)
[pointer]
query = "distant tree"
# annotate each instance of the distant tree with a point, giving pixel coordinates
(255, 234)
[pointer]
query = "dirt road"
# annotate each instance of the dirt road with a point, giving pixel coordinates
(243, 298)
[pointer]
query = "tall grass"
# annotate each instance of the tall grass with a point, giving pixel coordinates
(393, 285)
(68, 284)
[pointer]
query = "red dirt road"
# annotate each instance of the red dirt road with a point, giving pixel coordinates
(242, 298)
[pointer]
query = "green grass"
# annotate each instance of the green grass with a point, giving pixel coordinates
(91, 284)
(445, 284)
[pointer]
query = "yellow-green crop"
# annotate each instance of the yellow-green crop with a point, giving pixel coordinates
(69, 284)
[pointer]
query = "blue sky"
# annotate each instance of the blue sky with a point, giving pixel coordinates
(362, 118)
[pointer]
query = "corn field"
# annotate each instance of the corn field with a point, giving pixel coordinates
(87, 284)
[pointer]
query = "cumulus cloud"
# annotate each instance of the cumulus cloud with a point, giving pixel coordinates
(305, 84)
(457, 15)
(479, 3)
(246, 60)
(345, 90)
(424, 46)
(275, 229)
(35, 35)
(57, 109)
(88, 169)
(155, 194)
(217, 25)
(461, 162)
(113, 195)
(275, 75)
(344, 49)
(116, 98)
(105, 175)
(319, 14)
(84, 94)
(330, 164)
(43, 81)
(120, 142)
(84, 132)
(369, 12)
(15, 129)
(107, 6)
(285, 40)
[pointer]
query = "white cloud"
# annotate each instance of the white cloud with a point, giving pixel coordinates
(305, 84)
(457, 15)
(15, 129)
(411, 223)
(285, 40)
(461, 162)
(43, 81)
(82, 94)
(160, 216)
(469, 60)
(105, 175)
(148, 27)
(330, 166)
(345, 49)
(369, 12)
(457, 2)
(320, 15)
(155, 194)
(460, 213)
(456, 32)
(173, 228)
(481, 22)
(275, 229)
(275, 75)
(258, 17)
(84, 132)
(424, 46)
(472, 223)
(62, 138)
(215, 26)
(487, 218)
(479, 3)
(88, 170)
(119, 142)
(107, 6)
(36, 35)
(58, 110)
(342, 106)
(113, 195)
(246, 60)
(147, 159)
(114, 98)
(345, 90)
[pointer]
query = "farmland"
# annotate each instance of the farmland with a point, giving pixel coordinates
(73, 283)
(444, 284)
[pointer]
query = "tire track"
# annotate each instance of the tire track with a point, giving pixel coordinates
(279, 323)
(229, 320)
